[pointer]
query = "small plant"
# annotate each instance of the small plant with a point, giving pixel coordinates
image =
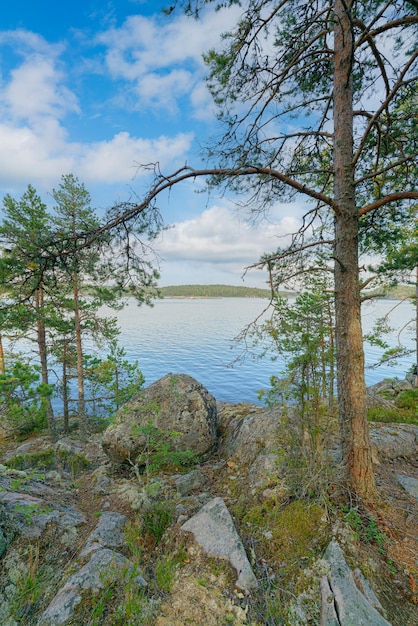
(366, 528)
(164, 574)
(30, 586)
(157, 517)
(100, 603)
(159, 451)
(73, 462)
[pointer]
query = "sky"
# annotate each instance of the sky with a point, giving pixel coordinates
(96, 88)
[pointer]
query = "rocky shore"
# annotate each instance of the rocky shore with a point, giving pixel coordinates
(130, 528)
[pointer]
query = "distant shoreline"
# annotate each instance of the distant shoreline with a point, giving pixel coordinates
(207, 292)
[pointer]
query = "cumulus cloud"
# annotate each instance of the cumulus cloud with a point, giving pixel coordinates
(36, 87)
(218, 245)
(36, 90)
(36, 146)
(159, 54)
(219, 236)
(114, 160)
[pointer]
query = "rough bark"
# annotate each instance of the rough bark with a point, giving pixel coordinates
(80, 373)
(41, 338)
(352, 410)
(2, 364)
(66, 427)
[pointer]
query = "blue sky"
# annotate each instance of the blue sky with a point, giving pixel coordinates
(95, 88)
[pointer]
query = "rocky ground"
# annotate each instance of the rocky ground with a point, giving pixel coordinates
(249, 535)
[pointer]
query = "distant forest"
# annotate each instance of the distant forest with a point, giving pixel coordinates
(230, 291)
(213, 291)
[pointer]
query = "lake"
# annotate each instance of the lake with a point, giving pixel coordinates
(195, 337)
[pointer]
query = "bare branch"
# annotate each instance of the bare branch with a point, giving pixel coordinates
(392, 197)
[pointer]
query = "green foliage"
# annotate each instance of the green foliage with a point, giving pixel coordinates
(111, 382)
(301, 332)
(30, 587)
(212, 291)
(29, 510)
(159, 450)
(165, 571)
(408, 399)
(157, 517)
(403, 411)
(44, 459)
(22, 398)
(72, 461)
(44, 266)
(365, 527)
(295, 531)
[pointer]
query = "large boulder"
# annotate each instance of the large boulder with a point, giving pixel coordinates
(176, 403)
(249, 431)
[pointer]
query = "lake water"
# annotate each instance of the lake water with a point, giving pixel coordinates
(195, 337)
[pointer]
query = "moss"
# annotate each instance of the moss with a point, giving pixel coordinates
(73, 462)
(403, 411)
(44, 459)
(289, 536)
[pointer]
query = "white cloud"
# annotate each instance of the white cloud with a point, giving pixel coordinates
(43, 156)
(35, 145)
(162, 57)
(217, 246)
(218, 236)
(36, 90)
(114, 160)
(27, 156)
(163, 91)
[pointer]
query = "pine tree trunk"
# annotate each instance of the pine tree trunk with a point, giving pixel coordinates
(2, 363)
(352, 409)
(41, 337)
(416, 328)
(66, 427)
(80, 373)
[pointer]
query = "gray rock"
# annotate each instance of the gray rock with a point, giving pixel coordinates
(253, 435)
(391, 441)
(410, 485)
(103, 568)
(384, 392)
(33, 514)
(68, 446)
(175, 403)
(8, 530)
(215, 532)
(188, 482)
(343, 603)
(265, 466)
(101, 482)
(107, 534)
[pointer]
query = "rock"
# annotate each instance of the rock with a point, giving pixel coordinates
(343, 603)
(215, 532)
(188, 482)
(176, 403)
(107, 534)
(32, 515)
(68, 446)
(252, 435)
(384, 392)
(410, 485)
(8, 530)
(391, 441)
(264, 467)
(103, 568)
